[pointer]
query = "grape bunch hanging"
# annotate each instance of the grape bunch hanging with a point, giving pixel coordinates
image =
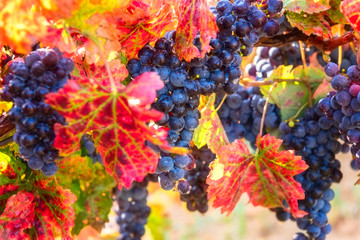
(281, 151)
(29, 80)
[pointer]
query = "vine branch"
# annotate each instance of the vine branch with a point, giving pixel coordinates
(272, 81)
(6, 141)
(297, 35)
(265, 108)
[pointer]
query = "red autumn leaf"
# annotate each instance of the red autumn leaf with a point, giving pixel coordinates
(17, 216)
(117, 118)
(351, 11)
(140, 24)
(54, 215)
(194, 17)
(267, 176)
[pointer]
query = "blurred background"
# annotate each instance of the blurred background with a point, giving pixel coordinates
(170, 220)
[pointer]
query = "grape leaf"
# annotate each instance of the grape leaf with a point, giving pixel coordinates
(135, 36)
(210, 130)
(308, 6)
(158, 223)
(52, 203)
(194, 17)
(267, 176)
(59, 38)
(334, 13)
(57, 9)
(17, 217)
(289, 96)
(88, 8)
(351, 10)
(114, 25)
(92, 186)
(11, 169)
(322, 90)
(311, 23)
(117, 118)
(53, 212)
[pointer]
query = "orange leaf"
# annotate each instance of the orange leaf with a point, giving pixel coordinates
(57, 9)
(194, 17)
(20, 28)
(267, 176)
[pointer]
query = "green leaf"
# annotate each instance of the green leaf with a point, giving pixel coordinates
(289, 96)
(157, 222)
(88, 8)
(210, 130)
(308, 6)
(11, 168)
(313, 74)
(310, 23)
(334, 12)
(92, 186)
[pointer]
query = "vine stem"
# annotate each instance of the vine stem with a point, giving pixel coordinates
(340, 27)
(251, 83)
(302, 52)
(222, 101)
(6, 141)
(107, 66)
(316, 41)
(298, 112)
(265, 108)
(307, 82)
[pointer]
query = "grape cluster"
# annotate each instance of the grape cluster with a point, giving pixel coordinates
(91, 151)
(179, 99)
(315, 138)
(30, 79)
(348, 57)
(132, 210)
(247, 21)
(267, 59)
(241, 114)
(343, 106)
(195, 192)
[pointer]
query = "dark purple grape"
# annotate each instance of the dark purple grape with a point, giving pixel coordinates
(35, 163)
(49, 169)
(50, 59)
(134, 66)
(271, 28)
(339, 82)
(256, 17)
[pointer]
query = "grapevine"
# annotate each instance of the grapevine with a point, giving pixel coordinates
(106, 104)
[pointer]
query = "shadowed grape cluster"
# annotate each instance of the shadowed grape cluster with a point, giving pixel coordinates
(132, 210)
(241, 114)
(343, 106)
(195, 192)
(88, 144)
(30, 79)
(219, 71)
(267, 59)
(315, 138)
